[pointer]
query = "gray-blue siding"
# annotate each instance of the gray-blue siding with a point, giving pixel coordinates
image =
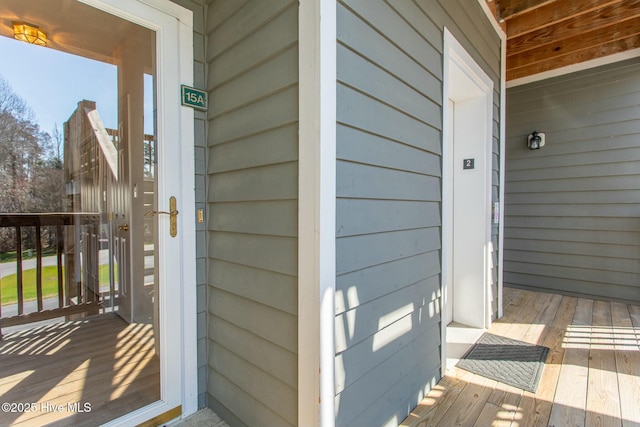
(572, 207)
(252, 190)
(389, 145)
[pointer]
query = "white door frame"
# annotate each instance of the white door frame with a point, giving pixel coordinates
(176, 256)
(464, 77)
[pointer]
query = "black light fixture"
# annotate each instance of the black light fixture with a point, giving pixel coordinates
(535, 140)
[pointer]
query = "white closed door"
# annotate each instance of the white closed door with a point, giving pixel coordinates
(466, 189)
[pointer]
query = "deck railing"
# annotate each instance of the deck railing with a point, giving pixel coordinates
(77, 288)
(91, 165)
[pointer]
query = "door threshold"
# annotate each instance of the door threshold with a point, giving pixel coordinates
(460, 338)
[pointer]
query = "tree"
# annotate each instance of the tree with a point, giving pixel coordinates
(18, 149)
(31, 176)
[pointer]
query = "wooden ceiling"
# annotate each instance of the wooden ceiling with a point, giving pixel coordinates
(543, 35)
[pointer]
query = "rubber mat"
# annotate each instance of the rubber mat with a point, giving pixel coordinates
(509, 361)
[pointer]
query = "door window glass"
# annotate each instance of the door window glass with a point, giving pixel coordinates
(78, 271)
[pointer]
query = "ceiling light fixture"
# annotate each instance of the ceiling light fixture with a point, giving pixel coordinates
(29, 33)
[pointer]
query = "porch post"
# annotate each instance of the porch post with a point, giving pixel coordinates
(316, 212)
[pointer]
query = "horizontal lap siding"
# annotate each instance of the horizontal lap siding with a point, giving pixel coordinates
(252, 192)
(572, 215)
(389, 146)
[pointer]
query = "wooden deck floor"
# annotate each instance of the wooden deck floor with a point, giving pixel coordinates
(101, 362)
(591, 378)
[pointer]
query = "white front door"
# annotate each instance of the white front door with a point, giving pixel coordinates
(466, 188)
(468, 285)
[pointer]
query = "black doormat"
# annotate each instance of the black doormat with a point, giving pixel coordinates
(512, 362)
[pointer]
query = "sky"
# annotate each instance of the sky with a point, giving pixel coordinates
(53, 82)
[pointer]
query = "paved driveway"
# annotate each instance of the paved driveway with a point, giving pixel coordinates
(8, 268)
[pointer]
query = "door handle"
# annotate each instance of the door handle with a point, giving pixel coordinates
(173, 216)
(124, 227)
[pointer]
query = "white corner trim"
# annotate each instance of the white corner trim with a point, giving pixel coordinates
(616, 57)
(501, 172)
(316, 212)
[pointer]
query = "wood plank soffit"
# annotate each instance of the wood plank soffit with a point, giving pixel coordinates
(603, 50)
(606, 18)
(590, 40)
(510, 8)
(544, 35)
(553, 13)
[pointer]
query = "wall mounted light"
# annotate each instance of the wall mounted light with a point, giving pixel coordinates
(29, 33)
(535, 140)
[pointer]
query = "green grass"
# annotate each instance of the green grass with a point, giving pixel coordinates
(12, 256)
(9, 287)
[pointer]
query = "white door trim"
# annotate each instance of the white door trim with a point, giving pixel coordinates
(176, 259)
(186, 192)
(316, 212)
(456, 57)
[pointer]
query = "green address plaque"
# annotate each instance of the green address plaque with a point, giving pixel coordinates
(192, 97)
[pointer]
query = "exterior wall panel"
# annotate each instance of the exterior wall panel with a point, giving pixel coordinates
(388, 228)
(572, 215)
(252, 72)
